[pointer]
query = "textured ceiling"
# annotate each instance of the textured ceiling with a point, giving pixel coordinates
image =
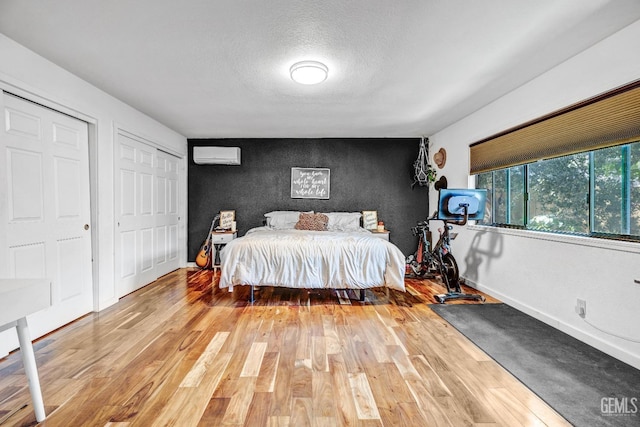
(396, 68)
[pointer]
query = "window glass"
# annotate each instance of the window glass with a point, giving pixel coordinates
(634, 188)
(558, 194)
(608, 211)
(500, 196)
(485, 180)
(516, 195)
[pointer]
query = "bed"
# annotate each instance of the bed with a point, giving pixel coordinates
(292, 250)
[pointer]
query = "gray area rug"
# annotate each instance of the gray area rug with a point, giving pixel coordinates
(586, 386)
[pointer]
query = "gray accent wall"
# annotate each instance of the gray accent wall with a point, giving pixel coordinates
(366, 174)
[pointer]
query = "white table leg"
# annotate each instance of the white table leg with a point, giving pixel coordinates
(29, 361)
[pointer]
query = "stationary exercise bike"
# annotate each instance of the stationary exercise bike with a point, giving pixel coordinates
(439, 261)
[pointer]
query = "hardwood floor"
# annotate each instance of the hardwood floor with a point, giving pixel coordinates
(183, 352)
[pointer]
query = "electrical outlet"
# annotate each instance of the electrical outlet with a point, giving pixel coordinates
(581, 307)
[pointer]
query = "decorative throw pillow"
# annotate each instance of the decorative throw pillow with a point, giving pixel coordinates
(312, 221)
(344, 221)
(283, 220)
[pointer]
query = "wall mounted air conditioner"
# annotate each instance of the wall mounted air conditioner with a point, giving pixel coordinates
(216, 155)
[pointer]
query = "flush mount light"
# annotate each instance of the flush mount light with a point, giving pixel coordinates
(308, 72)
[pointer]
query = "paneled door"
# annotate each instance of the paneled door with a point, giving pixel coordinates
(166, 213)
(147, 213)
(45, 208)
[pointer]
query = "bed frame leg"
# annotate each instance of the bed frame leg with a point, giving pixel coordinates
(251, 298)
(362, 295)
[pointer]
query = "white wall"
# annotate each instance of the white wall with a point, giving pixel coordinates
(540, 273)
(26, 74)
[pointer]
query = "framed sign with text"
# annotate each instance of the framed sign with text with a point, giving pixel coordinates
(370, 220)
(310, 183)
(226, 219)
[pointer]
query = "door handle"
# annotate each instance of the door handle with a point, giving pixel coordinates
(86, 226)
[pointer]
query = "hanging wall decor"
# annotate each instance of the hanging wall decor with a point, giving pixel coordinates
(310, 183)
(440, 158)
(441, 183)
(423, 173)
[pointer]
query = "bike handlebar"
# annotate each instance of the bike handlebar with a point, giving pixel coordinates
(463, 221)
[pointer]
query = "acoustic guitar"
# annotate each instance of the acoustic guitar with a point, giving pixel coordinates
(203, 259)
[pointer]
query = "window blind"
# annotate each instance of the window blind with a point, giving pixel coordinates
(609, 119)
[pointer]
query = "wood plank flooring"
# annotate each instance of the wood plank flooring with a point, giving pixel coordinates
(183, 352)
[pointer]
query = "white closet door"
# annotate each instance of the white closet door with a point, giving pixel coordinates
(135, 263)
(147, 213)
(45, 183)
(166, 213)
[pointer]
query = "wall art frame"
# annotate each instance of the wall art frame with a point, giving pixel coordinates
(310, 183)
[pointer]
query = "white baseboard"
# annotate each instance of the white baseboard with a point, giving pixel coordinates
(593, 341)
(106, 304)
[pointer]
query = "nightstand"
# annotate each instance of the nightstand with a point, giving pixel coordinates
(381, 234)
(218, 240)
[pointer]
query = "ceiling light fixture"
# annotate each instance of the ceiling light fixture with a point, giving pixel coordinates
(309, 72)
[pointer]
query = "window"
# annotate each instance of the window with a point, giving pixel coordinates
(485, 180)
(595, 193)
(574, 170)
(558, 194)
(507, 197)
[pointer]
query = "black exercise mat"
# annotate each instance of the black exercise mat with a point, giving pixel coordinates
(586, 386)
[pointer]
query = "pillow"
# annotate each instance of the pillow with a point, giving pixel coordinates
(343, 221)
(312, 221)
(283, 220)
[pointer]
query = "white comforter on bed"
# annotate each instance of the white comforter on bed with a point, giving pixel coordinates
(311, 260)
